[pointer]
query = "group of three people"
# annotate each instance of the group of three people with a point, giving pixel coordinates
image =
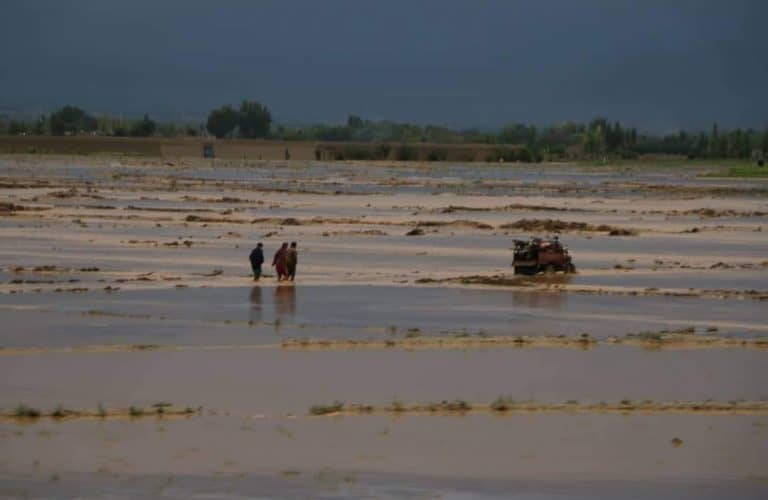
(284, 261)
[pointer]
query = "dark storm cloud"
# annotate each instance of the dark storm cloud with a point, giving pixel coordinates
(657, 64)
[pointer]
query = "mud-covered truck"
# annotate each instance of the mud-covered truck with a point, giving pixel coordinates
(541, 255)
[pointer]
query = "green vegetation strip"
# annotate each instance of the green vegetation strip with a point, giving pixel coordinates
(684, 338)
(23, 412)
(742, 171)
(506, 406)
(678, 339)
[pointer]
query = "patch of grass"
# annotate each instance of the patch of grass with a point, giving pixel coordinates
(24, 411)
(434, 407)
(145, 347)
(59, 412)
(335, 407)
(397, 406)
(501, 404)
(458, 405)
(413, 333)
(654, 336)
(455, 405)
(743, 171)
(585, 338)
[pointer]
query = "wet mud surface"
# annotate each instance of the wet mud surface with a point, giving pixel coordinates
(125, 283)
(477, 456)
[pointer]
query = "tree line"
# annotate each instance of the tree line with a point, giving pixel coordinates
(251, 120)
(72, 120)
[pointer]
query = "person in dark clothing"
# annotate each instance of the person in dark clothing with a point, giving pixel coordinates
(257, 259)
(278, 262)
(291, 259)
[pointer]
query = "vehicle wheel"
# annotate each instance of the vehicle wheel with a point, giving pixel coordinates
(571, 268)
(550, 269)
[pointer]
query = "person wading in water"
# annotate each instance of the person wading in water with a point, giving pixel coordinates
(291, 259)
(257, 259)
(279, 262)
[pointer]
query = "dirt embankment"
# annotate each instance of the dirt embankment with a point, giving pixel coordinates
(531, 284)
(292, 221)
(557, 226)
(703, 213)
(509, 208)
(7, 208)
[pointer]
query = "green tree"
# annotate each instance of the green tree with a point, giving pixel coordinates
(192, 131)
(714, 142)
(764, 142)
(745, 147)
(255, 120)
(168, 130)
(355, 122)
(143, 128)
(41, 126)
(702, 144)
(71, 120)
(221, 122)
(17, 127)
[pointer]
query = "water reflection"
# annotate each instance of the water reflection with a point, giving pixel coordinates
(540, 300)
(285, 301)
(544, 300)
(255, 313)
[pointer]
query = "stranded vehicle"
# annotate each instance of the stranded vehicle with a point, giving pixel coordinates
(540, 254)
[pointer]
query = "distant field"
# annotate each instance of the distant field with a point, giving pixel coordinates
(154, 147)
(253, 149)
(748, 171)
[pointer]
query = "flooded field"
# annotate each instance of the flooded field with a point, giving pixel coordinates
(125, 285)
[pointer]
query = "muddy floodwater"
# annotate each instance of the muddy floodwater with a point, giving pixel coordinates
(267, 314)
(139, 359)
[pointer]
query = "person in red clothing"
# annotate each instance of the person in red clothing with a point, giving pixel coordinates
(291, 259)
(279, 262)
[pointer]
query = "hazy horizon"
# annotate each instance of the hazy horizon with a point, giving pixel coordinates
(658, 65)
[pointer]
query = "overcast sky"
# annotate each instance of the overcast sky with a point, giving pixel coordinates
(656, 64)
